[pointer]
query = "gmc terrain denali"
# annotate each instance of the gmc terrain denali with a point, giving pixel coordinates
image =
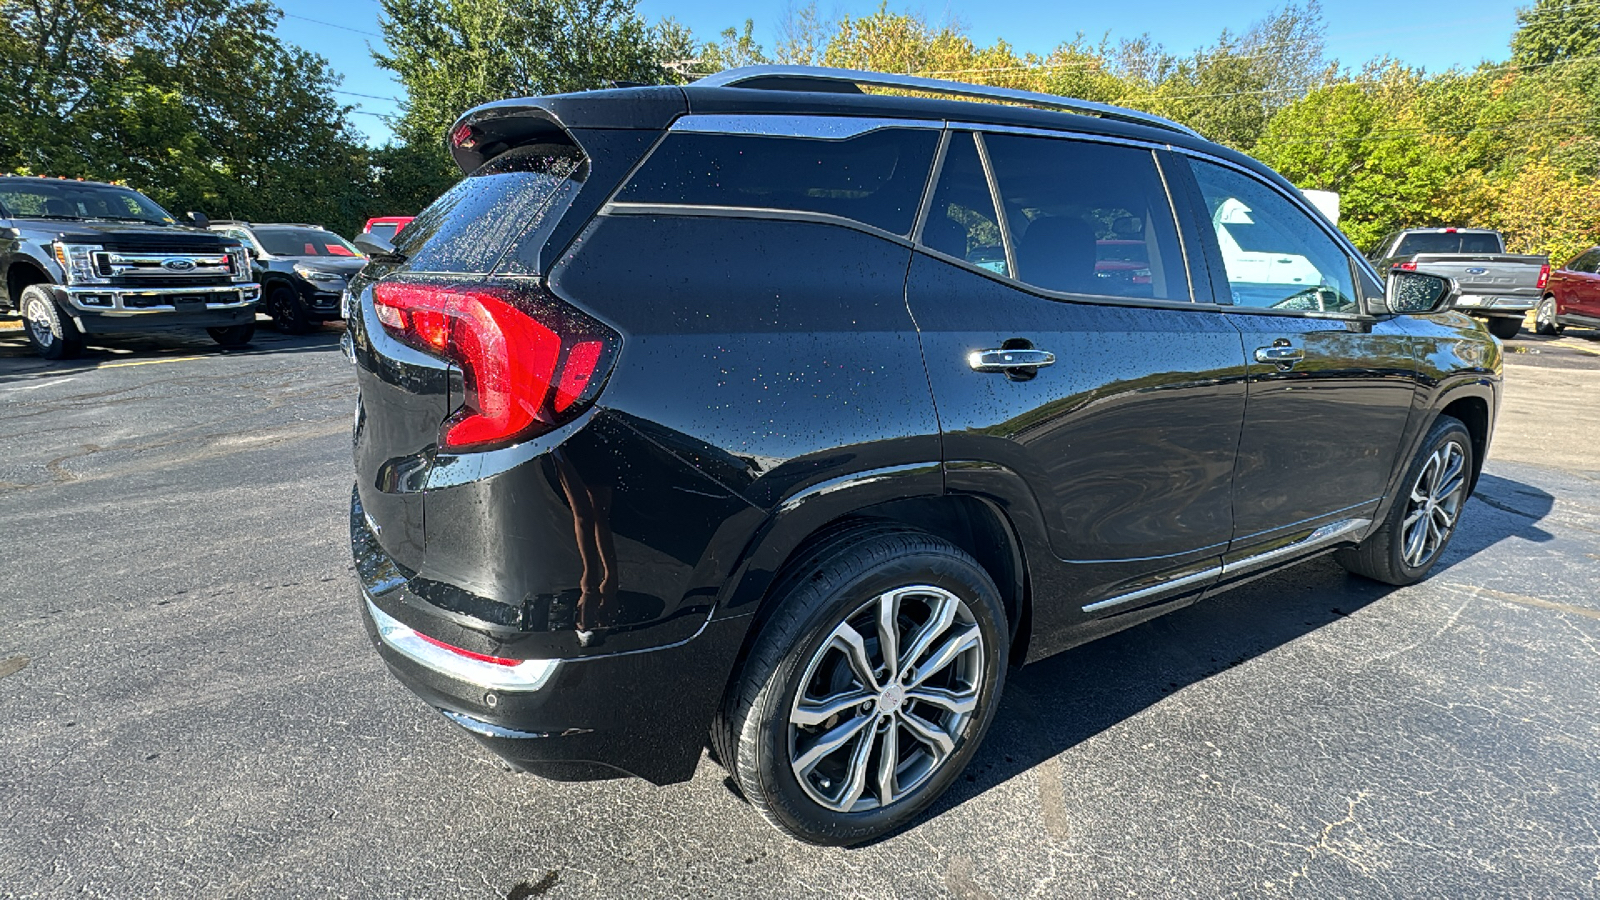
(774, 410)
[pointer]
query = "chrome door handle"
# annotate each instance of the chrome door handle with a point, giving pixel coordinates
(1280, 354)
(1006, 360)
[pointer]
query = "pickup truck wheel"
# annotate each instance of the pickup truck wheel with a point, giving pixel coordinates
(287, 310)
(233, 335)
(1424, 517)
(1504, 327)
(52, 334)
(1544, 318)
(869, 689)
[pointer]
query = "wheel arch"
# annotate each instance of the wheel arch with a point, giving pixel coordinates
(974, 524)
(1472, 411)
(22, 273)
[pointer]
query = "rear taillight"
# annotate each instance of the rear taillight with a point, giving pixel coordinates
(1544, 275)
(529, 363)
(1406, 266)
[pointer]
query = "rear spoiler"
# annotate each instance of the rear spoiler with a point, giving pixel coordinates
(486, 131)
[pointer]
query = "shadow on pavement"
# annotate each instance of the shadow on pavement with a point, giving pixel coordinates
(1057, 703)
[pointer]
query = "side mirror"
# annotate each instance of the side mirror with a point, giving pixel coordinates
(1411, 293)
(199, 219)
(375, 246)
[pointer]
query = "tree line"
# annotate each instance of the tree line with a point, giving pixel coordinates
(199, 104)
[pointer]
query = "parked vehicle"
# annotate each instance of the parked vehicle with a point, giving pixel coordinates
(771, 409)
(303, 270)
(386, 227)
(1497, 287)
(1572, 295)
(82, 257)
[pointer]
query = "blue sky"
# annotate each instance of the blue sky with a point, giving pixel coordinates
(1431, 33)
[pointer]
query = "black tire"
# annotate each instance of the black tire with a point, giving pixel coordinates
(233, 336)
(287, 309)
(1504, 327)
(1544, 317)
(796, 651)
(52, 334)
(1383, 555)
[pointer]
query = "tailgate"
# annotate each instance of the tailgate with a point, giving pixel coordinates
(1504, 276)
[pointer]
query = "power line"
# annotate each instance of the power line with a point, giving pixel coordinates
(332, 25)
(368, 96)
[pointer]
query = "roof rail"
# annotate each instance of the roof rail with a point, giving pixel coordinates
(786, 78)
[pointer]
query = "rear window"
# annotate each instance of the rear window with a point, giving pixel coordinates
(875, 178)
(1447, 242)
(469, 228)
(303, 242)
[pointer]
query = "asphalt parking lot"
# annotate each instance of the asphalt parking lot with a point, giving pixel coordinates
(189, 706)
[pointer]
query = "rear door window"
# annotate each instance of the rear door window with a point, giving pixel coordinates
(962, 222)
(1088, 218)
(875, 178)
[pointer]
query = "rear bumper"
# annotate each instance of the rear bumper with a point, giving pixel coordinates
(642, 713)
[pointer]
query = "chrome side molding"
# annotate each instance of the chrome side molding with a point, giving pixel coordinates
(1331, 533)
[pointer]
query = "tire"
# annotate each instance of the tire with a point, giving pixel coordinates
(1504, 327)
(233, 335)
(1388, 554)
(777, 744)
(53, 335)
(287, 309)
(1544, 317)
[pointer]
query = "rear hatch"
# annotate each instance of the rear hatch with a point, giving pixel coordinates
(534, 182)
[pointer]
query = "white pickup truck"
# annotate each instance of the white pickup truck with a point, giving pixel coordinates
(1496, 286)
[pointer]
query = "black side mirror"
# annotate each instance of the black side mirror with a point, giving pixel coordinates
(199, 219)
(375, 246)
(1413, 293)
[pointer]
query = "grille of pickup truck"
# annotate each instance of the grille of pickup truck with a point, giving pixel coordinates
(181, 265)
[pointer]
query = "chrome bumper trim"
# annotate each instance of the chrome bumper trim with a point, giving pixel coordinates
(528, 675)
(245, 295)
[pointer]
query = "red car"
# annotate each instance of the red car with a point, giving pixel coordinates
(387, 227)
(1571, 295)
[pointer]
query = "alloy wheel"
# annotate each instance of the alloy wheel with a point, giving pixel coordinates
(1545, 317)
(886, 698)
(1434, 504)
(40, 328)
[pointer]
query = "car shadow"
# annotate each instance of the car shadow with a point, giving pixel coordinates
(18, 360)
(1055, 704)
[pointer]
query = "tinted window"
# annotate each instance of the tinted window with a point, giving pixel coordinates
(961, 219)
(383, 230)
(468, 228)
(79, 200)
(874, 178)
(1586, 262)
(1275, 255)
(303, 242)
(1448, 242)
(1088, 218)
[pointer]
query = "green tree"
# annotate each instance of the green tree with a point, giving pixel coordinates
(195, 102)
(1553, 30)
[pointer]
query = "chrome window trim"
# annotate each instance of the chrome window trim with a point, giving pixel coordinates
(1007, 243)
(935, 172)
(622, 208)
(817, 127)
(1075, 134)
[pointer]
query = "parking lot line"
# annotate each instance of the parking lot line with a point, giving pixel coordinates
(149, 362)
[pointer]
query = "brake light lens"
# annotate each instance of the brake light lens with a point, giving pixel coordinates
(1406, 266)
(1544, 276)
(529, 363)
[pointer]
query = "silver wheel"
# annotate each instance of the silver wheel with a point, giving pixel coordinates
(1544, 317)
(1434, 505)
(41, 327)
(884, 701)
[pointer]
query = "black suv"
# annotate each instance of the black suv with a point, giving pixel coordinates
(81, 257)
(773, 410)
(303, 270)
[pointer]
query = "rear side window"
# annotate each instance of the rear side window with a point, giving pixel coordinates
(875, 178)
(962, 221)
(469, 228)
(1088, 218)
(1448, 242)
